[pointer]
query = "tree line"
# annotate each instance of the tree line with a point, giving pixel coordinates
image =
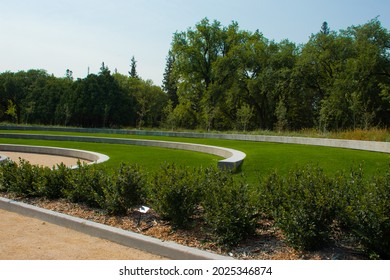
(222, 78)
(99, 100)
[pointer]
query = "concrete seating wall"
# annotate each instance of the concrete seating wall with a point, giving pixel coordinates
(233, 158)
(374, 146)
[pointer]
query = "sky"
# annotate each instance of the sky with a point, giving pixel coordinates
(81, 34)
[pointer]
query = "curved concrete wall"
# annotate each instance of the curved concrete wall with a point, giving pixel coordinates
(374, 146)
(233, 158)
(80, 154)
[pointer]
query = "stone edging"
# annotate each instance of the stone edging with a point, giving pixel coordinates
(148, 244)
(93, 157)
(233, 158)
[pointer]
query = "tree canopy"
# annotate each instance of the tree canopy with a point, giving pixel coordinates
(99, 100)
(222, 77)
(337, 80)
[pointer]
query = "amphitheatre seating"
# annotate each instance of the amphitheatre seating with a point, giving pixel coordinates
(374, 146)
(232, 158)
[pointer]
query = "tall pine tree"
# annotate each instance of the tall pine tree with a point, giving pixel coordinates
(325, 28)
(133, 68)
(169, 81)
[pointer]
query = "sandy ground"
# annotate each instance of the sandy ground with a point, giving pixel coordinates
(23, 238)
(39, 159)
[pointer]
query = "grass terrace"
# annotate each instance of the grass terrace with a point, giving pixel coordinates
(262, 158)
(306, 197)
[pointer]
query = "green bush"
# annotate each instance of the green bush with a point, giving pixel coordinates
(227, 209)
(124, 189)
(268, 194)
(8, 172)
(58, 182)
(174, 194)
(86, 185)
(367, 214)
(24, 178)
(303, 206)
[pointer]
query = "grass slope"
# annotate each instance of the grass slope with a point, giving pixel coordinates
(262, 158)
(150, 158)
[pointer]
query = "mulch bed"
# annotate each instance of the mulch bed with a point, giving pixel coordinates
(267, 244)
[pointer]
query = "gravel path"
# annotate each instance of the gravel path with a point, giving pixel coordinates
(23, 238)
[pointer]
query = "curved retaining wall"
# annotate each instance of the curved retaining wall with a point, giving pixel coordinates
(374, 146)
(233, 158)
(80, 154)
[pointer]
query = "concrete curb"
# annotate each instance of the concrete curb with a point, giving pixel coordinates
(233, 158)
(148, 244)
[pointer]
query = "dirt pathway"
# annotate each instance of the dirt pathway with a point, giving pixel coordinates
(23, 238)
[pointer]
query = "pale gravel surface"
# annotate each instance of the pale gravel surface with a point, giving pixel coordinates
(40, 159)
(23, 238)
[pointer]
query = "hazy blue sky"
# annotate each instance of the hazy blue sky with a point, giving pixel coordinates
(56, 35)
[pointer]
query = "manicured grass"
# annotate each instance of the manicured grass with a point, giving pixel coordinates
(262, 158)
(151, 158)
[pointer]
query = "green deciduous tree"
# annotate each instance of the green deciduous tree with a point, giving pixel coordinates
(195, 51)
(244, 115)
(11, 110)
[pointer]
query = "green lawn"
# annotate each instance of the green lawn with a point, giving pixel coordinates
(151, 158)
(262, 158)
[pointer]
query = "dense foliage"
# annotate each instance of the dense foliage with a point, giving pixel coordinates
(310, 207)
(103, 100)
(227, 78)
(222, 78)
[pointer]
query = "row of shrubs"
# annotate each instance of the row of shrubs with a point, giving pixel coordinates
(312, 207)
(183, 196)
(309, 206)
(113, 190)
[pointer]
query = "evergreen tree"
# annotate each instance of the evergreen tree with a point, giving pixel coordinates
(169, 81)
(133, 68)
(325, 28)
